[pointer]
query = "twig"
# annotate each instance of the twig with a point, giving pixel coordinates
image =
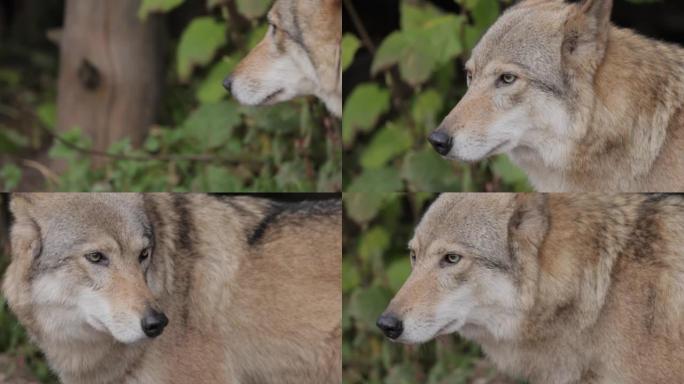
(358, 25)
(43, 170)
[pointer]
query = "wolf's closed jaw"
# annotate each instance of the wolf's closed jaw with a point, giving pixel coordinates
(390, 325)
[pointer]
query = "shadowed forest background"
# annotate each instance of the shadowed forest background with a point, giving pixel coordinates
(397, 88)
(127, 95)
(405, 73)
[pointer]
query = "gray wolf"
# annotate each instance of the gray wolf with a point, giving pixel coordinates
(556, 289)
(577, 103)
(173, 288)
(300, 55)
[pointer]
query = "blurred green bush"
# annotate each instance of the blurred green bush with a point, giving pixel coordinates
(206, 141)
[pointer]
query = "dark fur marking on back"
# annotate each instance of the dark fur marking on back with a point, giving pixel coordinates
(184, 252)
(306, 209)
(649, 316)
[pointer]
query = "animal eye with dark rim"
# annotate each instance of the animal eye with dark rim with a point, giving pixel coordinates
(413, 255)
(469, 78)
(452, 258)
(508, 78)
(96, 258)
(144, 255)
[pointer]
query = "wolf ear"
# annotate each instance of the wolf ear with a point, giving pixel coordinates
(26, 247)
(528, 225)
(587, 26)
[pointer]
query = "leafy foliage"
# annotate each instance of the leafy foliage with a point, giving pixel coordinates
(205, 140)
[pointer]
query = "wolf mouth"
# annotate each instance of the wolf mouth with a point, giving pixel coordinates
(443, 330)
(493, 150)
(271, 97)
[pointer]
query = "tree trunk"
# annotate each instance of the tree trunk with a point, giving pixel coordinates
(111, 71)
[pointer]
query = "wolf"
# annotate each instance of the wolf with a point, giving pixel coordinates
(300, 55)
(578, 103)
(174, 288)
(558, 288)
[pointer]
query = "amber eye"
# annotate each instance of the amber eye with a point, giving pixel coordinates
(508, 78)
(144, 255)
(452, 258)
(469, 78)
(96, 258)
(413, 256)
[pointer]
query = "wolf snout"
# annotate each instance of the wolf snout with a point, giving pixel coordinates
(390, 325)
(153, 322)
(228, 83)
(441, 142)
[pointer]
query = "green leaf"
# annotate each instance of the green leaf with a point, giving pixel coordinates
(426, 171)
(398, 272)
(198, 44)
(220, 179)
(363, 109)
(509, 173)
(389, 52)
(416, 16)
(213, 124)
(10, 176)
(253, 9)
(425, 109)
(363, 207)
(373, 243)
(377, 180)
(350, 44)
(366, 305)
(388, 143)
(211, 90)
(47, 114)
(350, 276)
(150, 6)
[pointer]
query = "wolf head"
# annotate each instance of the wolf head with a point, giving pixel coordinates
(300, 55)
(473, 257)
(81, 264)
(524, 76)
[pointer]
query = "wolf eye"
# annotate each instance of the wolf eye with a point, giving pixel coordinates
(508, 78)
(469, 78)
(144, 255)
(413, 255)
(452, 258)
(96, 258)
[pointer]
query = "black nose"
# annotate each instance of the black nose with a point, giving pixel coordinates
(390, 325)
(227, 83)
(441, 141)
(153, 322)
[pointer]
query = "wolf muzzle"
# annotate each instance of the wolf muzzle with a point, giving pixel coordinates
(153, 322)
(390, 325)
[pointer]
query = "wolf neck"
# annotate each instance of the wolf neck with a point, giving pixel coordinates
(101, 361)
(622, 118)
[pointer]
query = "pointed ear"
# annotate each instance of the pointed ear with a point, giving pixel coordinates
(26, 248)
(528, 225)
(586, 29)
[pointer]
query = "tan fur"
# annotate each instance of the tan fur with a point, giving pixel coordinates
(300, 55)
(593, 284)
(599, 108)
(251, 288)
